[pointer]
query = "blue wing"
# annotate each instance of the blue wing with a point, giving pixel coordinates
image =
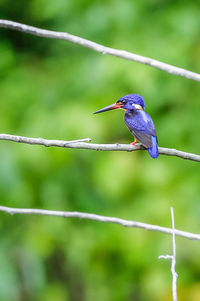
(141, 126)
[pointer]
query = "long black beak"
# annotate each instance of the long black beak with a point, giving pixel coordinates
(108, 108)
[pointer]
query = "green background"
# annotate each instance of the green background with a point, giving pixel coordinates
(49, 89)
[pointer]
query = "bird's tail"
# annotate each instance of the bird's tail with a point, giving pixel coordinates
(153, 151)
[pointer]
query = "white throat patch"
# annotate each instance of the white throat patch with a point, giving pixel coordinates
(137, 107)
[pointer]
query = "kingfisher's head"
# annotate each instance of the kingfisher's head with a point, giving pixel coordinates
(131, 101)
(128, 102)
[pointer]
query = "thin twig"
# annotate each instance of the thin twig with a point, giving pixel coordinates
(173, 270)
(79, 144)
(173, 259)
(100, 48)
(100, 218)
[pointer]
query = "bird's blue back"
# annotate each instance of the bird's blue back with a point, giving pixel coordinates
(142, 127)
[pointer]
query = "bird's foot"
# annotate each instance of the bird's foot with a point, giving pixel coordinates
(135, 146)
(134, 143)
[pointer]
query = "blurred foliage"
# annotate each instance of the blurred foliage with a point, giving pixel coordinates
(49, 89)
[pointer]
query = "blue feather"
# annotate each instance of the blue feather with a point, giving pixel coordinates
(153, 151)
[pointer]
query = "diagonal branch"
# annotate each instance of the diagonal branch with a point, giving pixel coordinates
(100, 218)
(79, 144)
(100, 48)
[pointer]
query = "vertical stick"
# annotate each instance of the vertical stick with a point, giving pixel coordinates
(173, 260)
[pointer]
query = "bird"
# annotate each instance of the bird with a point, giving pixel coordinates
(138, 121)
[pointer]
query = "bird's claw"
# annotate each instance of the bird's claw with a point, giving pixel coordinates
(134, 144)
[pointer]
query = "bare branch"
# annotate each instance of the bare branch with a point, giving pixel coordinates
(174, 274)
(41, 141)
(100, 48)
(173, 259)
(100, 218)
(79, 144)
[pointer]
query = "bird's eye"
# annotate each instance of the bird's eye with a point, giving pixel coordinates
(123, 101)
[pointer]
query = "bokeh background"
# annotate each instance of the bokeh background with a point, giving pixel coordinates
(49, 89)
